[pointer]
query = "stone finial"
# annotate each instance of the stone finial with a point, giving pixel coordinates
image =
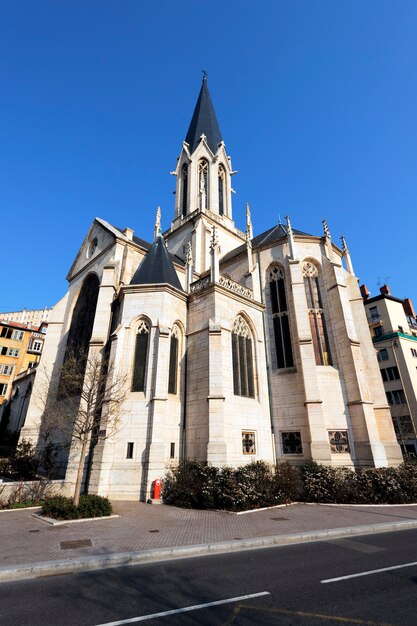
(189, 265)
(157, 228)
(248, 217)
(346, 254)
(328, 241)
(249, 227)
(214, 253)
(214, 241)
(290, 237)
(189, 253)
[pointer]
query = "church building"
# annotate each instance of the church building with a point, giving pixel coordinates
(235, 347)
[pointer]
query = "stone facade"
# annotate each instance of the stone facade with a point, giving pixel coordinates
(236, 348)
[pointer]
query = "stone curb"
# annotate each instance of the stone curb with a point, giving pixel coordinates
(54, 522)
(98, 562)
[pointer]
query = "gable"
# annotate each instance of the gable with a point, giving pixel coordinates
(100, 237)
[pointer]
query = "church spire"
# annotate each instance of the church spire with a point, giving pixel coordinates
(204, 121)
(157, 232)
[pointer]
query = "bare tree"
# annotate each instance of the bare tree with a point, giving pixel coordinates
(87, 404)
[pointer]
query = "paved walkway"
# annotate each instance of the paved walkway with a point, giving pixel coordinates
(142, 532)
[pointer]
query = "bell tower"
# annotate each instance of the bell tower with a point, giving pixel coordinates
(203, 195)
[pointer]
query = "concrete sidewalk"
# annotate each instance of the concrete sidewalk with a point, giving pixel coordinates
(144, 532)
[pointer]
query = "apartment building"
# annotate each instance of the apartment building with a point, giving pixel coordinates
(393, 325)
(20, 349)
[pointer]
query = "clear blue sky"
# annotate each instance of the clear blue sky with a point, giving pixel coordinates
(316, 100)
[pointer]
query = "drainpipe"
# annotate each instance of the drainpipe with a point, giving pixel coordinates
(184, 408)
(268, 374)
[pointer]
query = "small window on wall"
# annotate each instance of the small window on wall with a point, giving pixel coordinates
(339, 442)
(291, 443)
(129, 451)
(172, 450)
(248, 442)
(141, 353)
(383, 355)
(3, 389)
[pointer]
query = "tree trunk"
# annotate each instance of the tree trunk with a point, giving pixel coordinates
(80, 472)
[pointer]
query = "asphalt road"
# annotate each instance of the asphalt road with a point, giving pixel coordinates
(283, 585)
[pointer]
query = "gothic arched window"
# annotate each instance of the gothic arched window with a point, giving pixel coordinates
(222, 190)
(81, 329)
(173, 360)
(242, 356)
(280, 319)
(316, 315)
(203, 183)
(184, 189)
(141, 354)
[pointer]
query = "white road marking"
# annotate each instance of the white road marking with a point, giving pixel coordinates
(142, 618)
(369, 573)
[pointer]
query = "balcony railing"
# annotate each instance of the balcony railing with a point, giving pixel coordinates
(225, 282)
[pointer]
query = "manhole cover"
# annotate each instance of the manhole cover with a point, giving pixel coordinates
(279, 519)
(34, 531)
(77, 543)
(154, 531)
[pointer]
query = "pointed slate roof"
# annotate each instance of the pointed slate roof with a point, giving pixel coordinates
(204, 120)
(156, 268)
(270, 236)
(275, 233)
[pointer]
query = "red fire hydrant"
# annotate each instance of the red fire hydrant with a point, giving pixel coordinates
(157, 486)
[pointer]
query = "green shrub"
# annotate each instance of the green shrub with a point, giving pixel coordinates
(286, 482)
(321, 483)
(4, 467)
(94, 506)
(22, 464)
(196, 485)
(62, 508)
(25, 504)
(190, 485)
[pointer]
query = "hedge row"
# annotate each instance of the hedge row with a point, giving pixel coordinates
(62, 508)
(196, 485)
(199, 486)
